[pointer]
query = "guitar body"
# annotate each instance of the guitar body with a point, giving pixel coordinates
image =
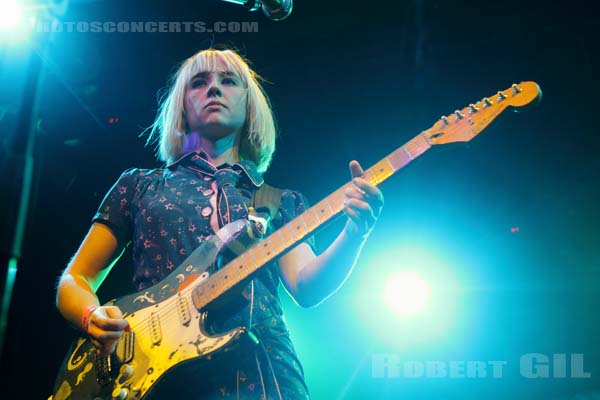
(167, 331)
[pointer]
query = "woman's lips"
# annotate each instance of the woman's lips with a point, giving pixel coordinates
(214, 104)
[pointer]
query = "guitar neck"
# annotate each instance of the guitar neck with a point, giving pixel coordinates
(303, 226)
(460, 126)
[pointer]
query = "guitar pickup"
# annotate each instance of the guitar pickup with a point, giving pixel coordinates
(125, 347)
(183, 310)
(155, 331)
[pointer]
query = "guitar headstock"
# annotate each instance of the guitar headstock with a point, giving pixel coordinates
(463, 125)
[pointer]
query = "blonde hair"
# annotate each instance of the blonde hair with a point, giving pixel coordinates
(257, 139)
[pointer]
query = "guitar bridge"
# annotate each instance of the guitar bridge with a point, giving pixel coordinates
(104, 370)
(107, 366)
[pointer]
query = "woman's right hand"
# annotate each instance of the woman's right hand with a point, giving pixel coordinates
(105, 327)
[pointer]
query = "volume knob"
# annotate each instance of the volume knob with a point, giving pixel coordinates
(126, 371)
(120, 393)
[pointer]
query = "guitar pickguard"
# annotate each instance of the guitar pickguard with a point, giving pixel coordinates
(166, 332)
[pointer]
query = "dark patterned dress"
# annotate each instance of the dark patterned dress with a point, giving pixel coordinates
(165, 214)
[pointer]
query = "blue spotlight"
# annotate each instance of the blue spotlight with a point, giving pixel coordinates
(17, 21)
(11, 14)
(406, 293)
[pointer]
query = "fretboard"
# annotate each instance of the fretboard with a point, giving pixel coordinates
(301, 227)
(461, 126)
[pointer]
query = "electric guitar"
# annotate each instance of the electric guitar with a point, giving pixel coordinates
(169, 320)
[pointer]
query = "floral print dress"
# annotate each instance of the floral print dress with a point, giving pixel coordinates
(164, 214)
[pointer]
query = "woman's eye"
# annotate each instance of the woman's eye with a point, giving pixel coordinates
(198, 82)
(229, 81)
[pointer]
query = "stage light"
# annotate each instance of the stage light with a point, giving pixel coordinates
(406, 293)
(11, 14)
(17, 22)
(408, 297)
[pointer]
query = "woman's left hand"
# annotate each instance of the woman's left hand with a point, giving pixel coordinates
(363, 204)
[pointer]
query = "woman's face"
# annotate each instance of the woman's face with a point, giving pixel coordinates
(215, 104)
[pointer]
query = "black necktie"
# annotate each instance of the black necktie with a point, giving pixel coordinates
(231, 204)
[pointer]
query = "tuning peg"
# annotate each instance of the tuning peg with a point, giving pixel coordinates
(516, 89)
(487, 102)
(459, 115)
(444, 120)
(473, 108)
(501, 96)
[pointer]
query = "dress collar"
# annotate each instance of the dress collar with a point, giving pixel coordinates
(199, 160)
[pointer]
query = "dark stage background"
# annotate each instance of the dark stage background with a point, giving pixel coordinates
(511, 218)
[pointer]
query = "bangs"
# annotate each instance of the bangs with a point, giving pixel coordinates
(256, 142)
(215, 60)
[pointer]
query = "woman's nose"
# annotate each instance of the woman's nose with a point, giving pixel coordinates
(213, 89)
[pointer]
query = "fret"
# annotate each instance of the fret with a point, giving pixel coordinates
(246, 259)
(199, 297)
(398, 159)
(389, 164)
(287, 235)
(417, 150)
(336, 199)
(424, 136)
(266, 247)
(378, 173)
(296, 228)
(373, 177)
(215, 283)
(225, 279)
(277, 242)
(242, 264)
(417, 146)
(310, 219)
(407, 151)
(256, 258)
(324, 211)
(237, 272)
(281, 238)
(369, 176)
(200, 294)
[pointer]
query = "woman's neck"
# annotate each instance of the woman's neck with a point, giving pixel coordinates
(220, 151)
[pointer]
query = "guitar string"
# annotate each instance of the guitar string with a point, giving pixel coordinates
(169, 311)
(163, 315)
(166, 313)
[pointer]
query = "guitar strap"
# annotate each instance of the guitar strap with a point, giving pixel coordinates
(264, 205)
(267, 199)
